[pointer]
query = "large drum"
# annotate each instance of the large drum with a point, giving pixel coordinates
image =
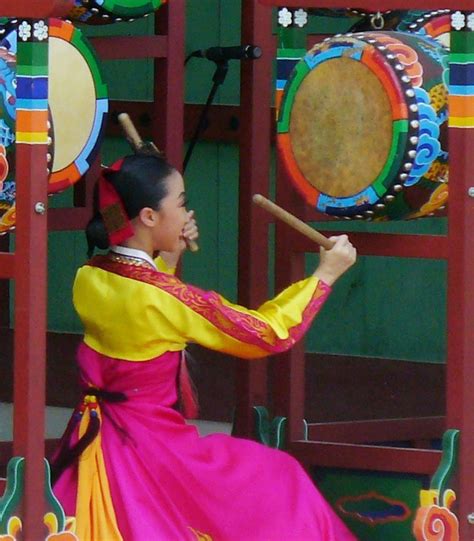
(362, 126)
(109, 11)
(78, 108)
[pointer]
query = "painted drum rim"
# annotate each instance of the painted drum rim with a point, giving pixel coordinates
(432, 24)
(411, 120)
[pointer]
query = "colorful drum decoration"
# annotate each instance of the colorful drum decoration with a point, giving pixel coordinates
(110, 11)
(433, 24)
(78, 108)
(362, 126)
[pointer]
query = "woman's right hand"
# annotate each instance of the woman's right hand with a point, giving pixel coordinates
(333, 263)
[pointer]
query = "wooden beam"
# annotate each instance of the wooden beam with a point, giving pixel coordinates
(127, 47)
(378, 430)
(224, 122)
(372, 457)
(381, 5)
(37, 9)
(383, 244)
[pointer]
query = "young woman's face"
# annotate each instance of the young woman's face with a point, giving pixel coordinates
(172, 216)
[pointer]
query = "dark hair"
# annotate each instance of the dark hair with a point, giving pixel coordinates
(139, 183)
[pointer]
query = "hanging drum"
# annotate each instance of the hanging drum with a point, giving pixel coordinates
(78, 108)
(110, 11)
(362, 126)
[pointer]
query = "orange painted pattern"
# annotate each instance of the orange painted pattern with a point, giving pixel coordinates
(32, 121)
(461, 106)
(391, 85)
(58, 29)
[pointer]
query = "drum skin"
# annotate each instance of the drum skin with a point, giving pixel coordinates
(111, 11)
(362, 126)
(77, 105)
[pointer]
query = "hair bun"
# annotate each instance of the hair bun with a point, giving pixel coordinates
(96, 234)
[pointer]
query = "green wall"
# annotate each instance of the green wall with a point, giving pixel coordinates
(383, 307)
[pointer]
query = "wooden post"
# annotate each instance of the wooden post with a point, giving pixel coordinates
(255, 101)
(168, 106)
(30, 275)
(460, 368)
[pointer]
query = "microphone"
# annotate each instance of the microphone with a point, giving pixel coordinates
(222, 54)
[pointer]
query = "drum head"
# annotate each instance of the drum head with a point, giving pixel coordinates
(362, 123)
(78, 107)
(109, 11)
(345, 149)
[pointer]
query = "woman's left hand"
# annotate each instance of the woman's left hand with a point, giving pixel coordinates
(190, 230)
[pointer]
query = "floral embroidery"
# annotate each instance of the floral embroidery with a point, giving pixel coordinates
(208, 304)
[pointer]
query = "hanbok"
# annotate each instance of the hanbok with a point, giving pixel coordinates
(146, 475)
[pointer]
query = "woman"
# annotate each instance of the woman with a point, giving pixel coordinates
(129, 467)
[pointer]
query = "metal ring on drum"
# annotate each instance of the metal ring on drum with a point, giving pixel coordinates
(77, 111)
(110, 11)
(362, 125)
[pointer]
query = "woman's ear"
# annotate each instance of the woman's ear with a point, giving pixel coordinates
(148, 216)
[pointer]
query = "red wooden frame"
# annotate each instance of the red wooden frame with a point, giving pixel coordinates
(457, 248)
(253, 259)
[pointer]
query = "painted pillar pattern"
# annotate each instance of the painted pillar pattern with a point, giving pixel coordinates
(461, 89)
(32, 83)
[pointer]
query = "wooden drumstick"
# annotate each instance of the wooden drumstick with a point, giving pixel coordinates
(292, 221)
(144, 147)
(134, 138)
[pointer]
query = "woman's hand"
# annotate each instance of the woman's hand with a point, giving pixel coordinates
(190, 232)
(333, 263)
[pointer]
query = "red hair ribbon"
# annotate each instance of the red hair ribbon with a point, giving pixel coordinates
(116, 220)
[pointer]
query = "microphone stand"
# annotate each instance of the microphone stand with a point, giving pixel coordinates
(222, 66)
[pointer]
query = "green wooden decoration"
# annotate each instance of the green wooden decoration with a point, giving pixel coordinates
(449, 460)
(55, 521)
(10, 501)
(436, 504)
(270, 433)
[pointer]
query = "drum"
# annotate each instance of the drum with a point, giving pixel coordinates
(362, 126)
(78, 108)
(110, 11)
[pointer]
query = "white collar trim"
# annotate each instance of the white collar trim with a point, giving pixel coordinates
(133, 252)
